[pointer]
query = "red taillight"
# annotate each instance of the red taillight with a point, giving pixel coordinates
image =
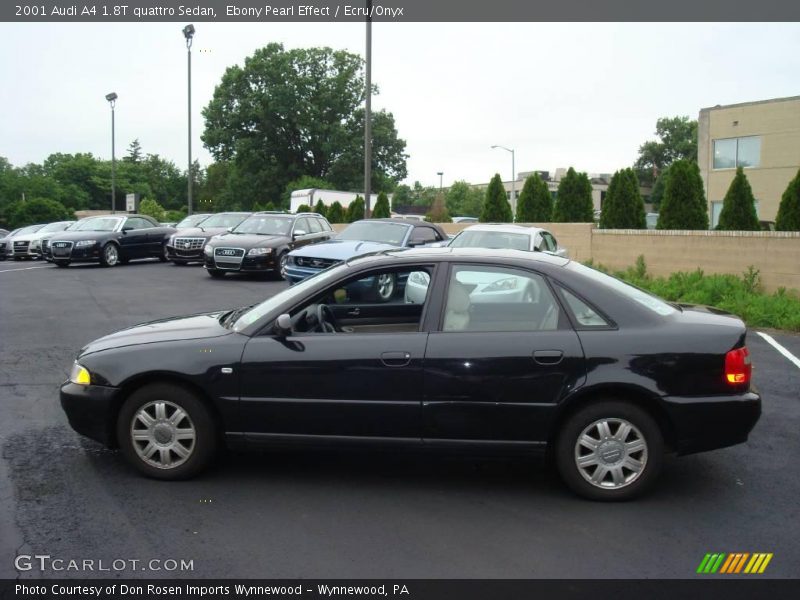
(737, 366)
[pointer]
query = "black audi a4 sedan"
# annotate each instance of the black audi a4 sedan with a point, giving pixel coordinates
(261, 243)
(600, 376)
(111, 240)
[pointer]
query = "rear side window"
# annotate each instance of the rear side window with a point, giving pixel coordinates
(324, 224)
(314, 225)
(584, 315)
(423, 235)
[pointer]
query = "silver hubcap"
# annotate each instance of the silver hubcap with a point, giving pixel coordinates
(385, 286)
(163, 434)
(284, 260)
(111, 254)
(611, 453)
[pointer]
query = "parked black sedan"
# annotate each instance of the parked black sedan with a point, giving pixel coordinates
(261, 243)
(186, 245)
(111, 239)
(598, 374)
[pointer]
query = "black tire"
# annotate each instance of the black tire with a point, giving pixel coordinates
(216, 273)
(61, 263)
(180, 263)
(631, 485)
(109, 255)
(164, 255)
(280, 262)
(200, 449)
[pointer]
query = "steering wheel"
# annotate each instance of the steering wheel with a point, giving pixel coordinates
(326, 320)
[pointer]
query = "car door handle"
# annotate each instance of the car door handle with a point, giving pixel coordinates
(354, 312)
(396, 359)
(548, 357)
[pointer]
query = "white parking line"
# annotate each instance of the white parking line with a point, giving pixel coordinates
(24, 269)
(792, 358)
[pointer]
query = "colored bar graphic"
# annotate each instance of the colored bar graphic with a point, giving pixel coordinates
(730, 564)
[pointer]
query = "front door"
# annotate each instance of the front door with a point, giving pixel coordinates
(503, 357)
(133, 241)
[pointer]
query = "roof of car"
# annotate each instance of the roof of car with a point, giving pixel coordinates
(448, 253)
(504, 228)
(409, 222)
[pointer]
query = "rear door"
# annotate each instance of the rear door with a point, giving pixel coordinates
(502, 358)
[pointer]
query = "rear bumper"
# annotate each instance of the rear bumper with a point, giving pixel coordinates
(714, 422)
(90, 410)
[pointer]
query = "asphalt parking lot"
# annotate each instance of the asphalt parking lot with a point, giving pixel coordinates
(309, 514)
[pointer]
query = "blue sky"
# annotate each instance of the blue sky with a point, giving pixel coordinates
(585, 95)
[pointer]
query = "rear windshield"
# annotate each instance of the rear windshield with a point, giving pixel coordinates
(646, 299)
(492, 239)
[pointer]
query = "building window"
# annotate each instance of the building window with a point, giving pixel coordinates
(716, 209)
(737, 152)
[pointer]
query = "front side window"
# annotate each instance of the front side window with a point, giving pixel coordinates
(483, 298)
(737, 152)
(423, 235)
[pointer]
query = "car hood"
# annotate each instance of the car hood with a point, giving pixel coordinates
(250, 240)
(204, 325)
(200, 232)
(341, 249)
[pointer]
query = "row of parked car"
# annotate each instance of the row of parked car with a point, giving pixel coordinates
(283, 245)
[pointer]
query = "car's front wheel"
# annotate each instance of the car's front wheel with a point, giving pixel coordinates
(216, 273)
(109, 255)
(610, 450)
(61, 263)
(166, 432)
(384, 287)
(164, 256)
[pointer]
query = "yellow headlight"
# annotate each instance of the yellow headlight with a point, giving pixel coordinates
(80, 375)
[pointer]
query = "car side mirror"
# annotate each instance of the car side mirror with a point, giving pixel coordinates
(283, 325)
(127, 228)
(229, 229)
(298, 233)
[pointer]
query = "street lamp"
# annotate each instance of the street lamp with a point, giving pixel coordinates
(368, 116)
(112, 100)
(188, 33)
(440, 174)
(513, 179)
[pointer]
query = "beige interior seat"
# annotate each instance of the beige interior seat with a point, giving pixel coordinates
(456, 317)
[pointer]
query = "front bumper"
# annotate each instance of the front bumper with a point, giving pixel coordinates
(91, 410)
(296, 274)
(174, 253)
(262, 263)
(713, 422)
(81, 254)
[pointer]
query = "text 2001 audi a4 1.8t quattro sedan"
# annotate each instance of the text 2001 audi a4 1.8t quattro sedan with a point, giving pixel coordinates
(599, 375)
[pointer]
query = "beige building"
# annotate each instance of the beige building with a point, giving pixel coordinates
(763, 137)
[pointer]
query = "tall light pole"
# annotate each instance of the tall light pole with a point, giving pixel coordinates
(188, 33)
(112, 100)
(440, 174)
(513, 180)
(368, 117)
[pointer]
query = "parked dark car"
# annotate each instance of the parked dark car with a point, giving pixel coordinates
(110, 240)
(186, 245)
(362, 237)
(601, 376)
(261, 243)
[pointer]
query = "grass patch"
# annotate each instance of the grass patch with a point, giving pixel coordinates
(742, 295)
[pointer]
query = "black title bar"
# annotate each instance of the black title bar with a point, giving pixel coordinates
(34, 11)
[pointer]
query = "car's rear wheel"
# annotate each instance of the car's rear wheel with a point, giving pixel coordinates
(384, 287)
(216, 273)
(109, 255)
(166, 432)
(610, 450)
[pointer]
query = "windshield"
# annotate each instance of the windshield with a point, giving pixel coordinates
(492, 239)
(98, 224)
(297, 290)
(191, 221)
(223, 220)
(646, 299)
(375, 231)
(265, 225)
(29, 229)
(55, 227)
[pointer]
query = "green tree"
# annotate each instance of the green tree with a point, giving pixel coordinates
(295, 112)
(574, 199)
(463, 200)
(381, 209)
(739, 206)
(134, 152)
(303, 208)
(151, 208)
(37, 210)
(684, 203)
(335, 213)
(438, 212)
(496, 208)
(657, 194)
(623, 207)
(320, 208)
(788, 218)
(535, 204)
(677, 141)
(355, 210)
(402, 196)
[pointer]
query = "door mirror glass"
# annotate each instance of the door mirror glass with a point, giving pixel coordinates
(283, 325)
(299, 232)
(127, 228)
